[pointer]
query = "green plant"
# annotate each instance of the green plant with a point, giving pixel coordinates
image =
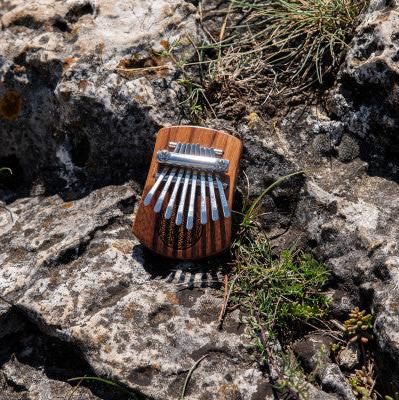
(336, 347)
(362, 383)
(277, 290)
(359, 326)
(195, 96)
(394, 397)
(252, 211)
(292, 382)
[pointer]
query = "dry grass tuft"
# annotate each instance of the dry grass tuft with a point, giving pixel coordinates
(275, 47)
(299, 41)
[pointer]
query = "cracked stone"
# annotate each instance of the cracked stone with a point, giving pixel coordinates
(83, 277)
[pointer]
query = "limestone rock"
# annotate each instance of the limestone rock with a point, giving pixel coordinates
(20, 381)
(313, 350)
(366, 99)
(332, 380)
(349, 357)
(83, 85)
(84, 279)
(314, 354)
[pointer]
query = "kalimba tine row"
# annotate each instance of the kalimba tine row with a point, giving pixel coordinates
(190, 165)
(193, 170)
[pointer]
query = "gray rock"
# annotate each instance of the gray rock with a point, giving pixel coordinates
(333, 380)
(19, 381)
(4, 308)
(314, 354)
(83, 278)
(322, 144)
(284, 368)
(366, 99)
(349, 357)
(313, 351)
(68, 101)
(348, 149)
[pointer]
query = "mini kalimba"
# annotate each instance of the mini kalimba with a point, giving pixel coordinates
(185, 209)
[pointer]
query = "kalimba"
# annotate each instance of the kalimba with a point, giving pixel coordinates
(185, 209)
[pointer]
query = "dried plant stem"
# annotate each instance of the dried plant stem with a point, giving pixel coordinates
(190, 372)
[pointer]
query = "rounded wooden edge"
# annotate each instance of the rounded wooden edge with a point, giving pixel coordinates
(198, 127)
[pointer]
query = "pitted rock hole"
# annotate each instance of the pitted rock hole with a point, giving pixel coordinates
(188, 297)
(80, 150)
(27, 21)
(61, 25)
(79, 11)
(15, 181)
(10, 105)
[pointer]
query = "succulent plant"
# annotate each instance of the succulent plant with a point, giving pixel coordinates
(359, 326)
(335, 347)
(362, 383)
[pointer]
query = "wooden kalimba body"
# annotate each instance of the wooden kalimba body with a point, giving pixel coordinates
(185, 209)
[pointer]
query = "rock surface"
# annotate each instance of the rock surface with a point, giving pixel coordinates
(83, 87)
(71, 120)
(29, 383)
(364, 103)
(349, 357)
(84, 279)
(314, 354)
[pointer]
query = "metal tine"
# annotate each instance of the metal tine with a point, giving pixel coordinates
(222, 195)
(223, 200)
(161, 198)
(195, 149)
(172, 200)
(212, 197)
(204, 217)
(154, 188)
(180, 209)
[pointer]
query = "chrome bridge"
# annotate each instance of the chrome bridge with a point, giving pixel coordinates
(186, 168)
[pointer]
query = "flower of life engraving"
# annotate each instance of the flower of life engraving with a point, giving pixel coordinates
(179, 237)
